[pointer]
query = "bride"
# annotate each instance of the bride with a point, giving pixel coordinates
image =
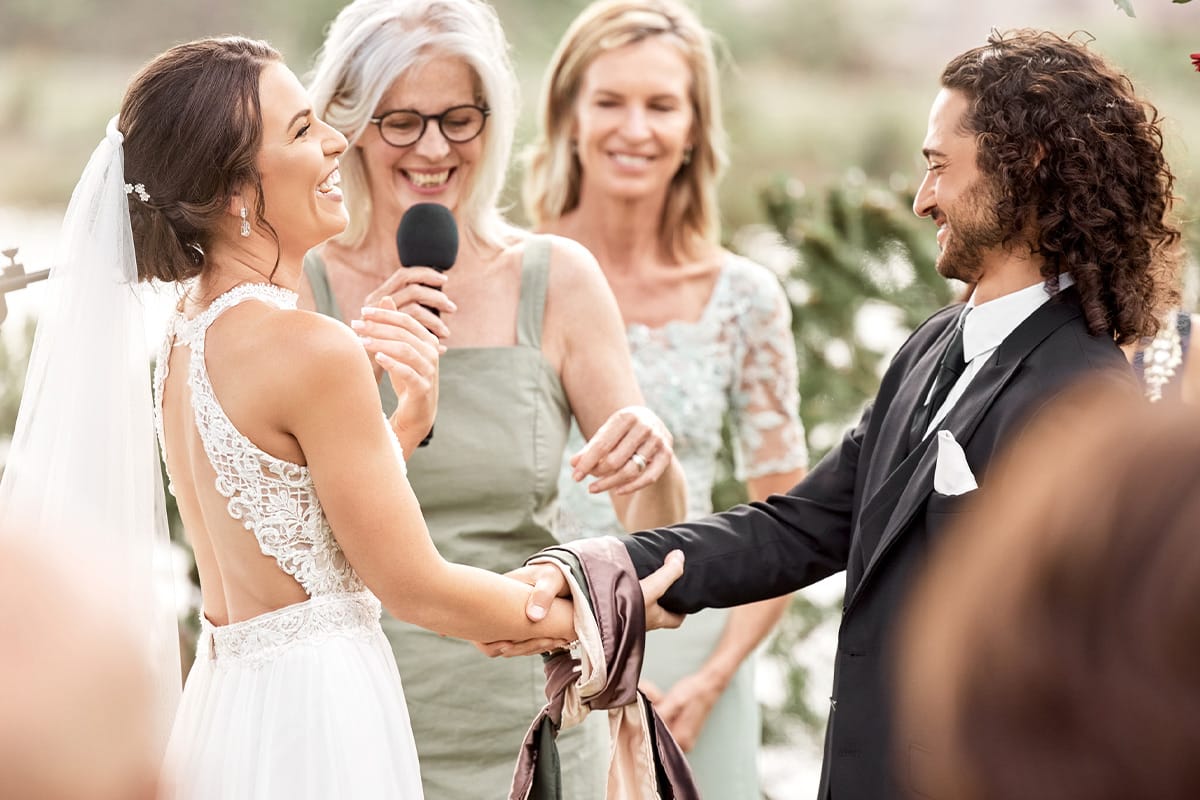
(289, 480)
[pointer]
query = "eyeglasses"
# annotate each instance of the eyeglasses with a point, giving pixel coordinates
(459, 124)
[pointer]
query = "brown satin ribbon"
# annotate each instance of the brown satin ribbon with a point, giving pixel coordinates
(647, 764)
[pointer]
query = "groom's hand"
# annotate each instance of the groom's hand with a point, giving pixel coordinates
(548, 583)
(655, 585)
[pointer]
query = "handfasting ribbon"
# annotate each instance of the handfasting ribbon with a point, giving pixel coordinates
(610, 621)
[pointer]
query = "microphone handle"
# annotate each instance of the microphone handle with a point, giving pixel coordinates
(429, 436)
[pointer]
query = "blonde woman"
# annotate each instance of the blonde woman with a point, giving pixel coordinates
(426, 96)
(626, 163)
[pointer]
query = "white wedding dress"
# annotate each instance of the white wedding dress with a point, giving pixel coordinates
(304, 701)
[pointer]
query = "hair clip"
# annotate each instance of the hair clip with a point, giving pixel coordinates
(131, 188)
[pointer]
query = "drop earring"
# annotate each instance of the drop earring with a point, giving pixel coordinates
(245, 224)
(687, 155)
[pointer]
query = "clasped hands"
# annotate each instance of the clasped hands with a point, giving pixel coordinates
(547, 582)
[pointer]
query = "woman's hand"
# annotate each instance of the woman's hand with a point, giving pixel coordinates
(409, 352)
(685, 707)
(630, 451)
(417, 290)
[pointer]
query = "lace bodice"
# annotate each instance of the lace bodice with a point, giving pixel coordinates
(273, 498)
(738, 358)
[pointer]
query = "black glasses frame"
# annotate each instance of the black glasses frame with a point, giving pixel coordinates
(427, 118)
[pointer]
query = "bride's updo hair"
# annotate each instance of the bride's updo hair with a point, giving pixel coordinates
(192, 124)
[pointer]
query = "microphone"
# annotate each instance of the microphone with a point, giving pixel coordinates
(14, 277)
(427, 237)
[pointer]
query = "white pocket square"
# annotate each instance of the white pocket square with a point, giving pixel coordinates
(952, 475)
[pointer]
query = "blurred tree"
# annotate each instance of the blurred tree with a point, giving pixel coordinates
(864, 265)
(863, 276)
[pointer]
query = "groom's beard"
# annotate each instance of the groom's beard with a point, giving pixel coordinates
(974, 231)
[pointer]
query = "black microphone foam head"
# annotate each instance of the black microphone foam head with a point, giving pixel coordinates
(427, 237)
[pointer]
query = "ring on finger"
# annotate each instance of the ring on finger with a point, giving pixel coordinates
(639, 461)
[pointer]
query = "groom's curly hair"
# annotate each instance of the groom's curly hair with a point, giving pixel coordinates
(1077, 159)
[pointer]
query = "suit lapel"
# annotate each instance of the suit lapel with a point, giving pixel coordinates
(891, 462)
(890, 510)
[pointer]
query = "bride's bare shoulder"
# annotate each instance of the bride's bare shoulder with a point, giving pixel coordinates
(312, 346)
(287, 350)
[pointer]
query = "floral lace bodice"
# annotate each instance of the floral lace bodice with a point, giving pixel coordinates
(273, 498)
(738, 358)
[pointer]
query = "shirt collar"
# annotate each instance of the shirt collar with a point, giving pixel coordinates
(987, 325)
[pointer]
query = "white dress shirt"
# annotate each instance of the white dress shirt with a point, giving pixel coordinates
(984, 328)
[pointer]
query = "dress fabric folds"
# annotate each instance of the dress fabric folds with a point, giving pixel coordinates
(303, 702)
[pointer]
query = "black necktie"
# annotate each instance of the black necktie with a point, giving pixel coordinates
(951, 367)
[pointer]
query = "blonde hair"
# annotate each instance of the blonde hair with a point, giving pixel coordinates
(690, 216)
(370, 45)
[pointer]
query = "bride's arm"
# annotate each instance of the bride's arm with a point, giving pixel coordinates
(352, 456)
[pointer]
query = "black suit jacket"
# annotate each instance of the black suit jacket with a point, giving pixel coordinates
(869, 508)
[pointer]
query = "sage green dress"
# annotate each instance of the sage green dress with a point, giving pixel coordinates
(487, 484)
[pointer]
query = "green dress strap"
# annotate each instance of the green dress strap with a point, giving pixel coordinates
(318, 280)
(535, 273)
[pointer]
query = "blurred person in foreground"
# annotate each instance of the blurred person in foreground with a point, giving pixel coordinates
(76, 704)
(1050, 651)
(1048, 186)
(426, 95)
(626, 163)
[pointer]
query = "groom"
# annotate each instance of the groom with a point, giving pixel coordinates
(1048, 187)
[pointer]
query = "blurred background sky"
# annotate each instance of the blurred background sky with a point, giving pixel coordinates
(812, 89)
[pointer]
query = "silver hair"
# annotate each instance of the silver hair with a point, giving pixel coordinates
(370, 45)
